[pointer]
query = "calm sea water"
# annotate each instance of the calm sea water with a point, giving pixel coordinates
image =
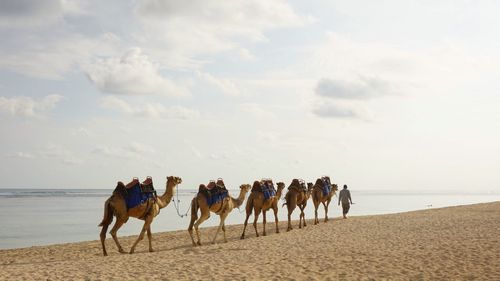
(30, 217)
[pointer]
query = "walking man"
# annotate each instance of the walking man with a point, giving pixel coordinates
(345, 198)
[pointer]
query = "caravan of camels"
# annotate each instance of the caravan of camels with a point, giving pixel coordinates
(139, 200)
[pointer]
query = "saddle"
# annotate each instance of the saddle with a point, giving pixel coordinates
(137, 193)
(327, 185)
(298, 184)
(214, 191)
(266, 186)
(147, 186)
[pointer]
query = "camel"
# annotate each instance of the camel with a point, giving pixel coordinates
(257, 202)
(318, 197)
(297, 196)
(221, 208)
(115, 205)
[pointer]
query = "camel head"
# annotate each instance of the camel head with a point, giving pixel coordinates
(245, 187)
(281, 185)
(335, 187)
(174, 180)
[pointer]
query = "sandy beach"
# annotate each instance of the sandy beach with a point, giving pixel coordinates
(454, 243)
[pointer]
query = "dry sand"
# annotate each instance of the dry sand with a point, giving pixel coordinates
(455, 243)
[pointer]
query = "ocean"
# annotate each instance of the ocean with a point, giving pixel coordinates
(32, 217)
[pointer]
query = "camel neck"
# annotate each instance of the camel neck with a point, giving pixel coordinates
(167, 196)
(279, 193)
(239, 201)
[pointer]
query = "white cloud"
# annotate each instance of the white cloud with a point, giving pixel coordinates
(58, 152)
(357, 70)
(331, 110)
(182, 30)
(258, 110)
(132, 73)
(362, 88)
(139, 148)
(28, 107)
(226, 86)
(21, 155)
(134, 150)
(149, 110)
(196, 152)
(49, 58)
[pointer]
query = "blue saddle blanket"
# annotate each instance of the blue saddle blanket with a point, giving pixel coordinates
(135, 196)
(268, 191)
(217, 197)
(327, 187)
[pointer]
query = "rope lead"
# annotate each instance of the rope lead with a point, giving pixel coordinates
(178, 204)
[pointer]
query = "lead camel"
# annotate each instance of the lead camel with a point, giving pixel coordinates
(116, 206)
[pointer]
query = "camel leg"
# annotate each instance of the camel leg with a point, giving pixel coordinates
(150, 239)
(190, 230)
(147, 223)
(256, 217)
(223, 216)
(326, 208)
(275, 210)
(119, 222)
(302, 218)
(224, 231)
(203, 217)
(264, 222)
(316, 205)
(303, 214)
(249, 212)
(291, 206)
(103, 238)
(326, 211)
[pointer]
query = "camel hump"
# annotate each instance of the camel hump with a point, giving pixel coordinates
(120, 189)
(256, 186)
(297, 184)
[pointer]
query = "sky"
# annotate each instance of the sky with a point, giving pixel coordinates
(400, 95)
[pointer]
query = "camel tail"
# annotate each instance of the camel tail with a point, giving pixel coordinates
(194, 212)
(108, 214)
